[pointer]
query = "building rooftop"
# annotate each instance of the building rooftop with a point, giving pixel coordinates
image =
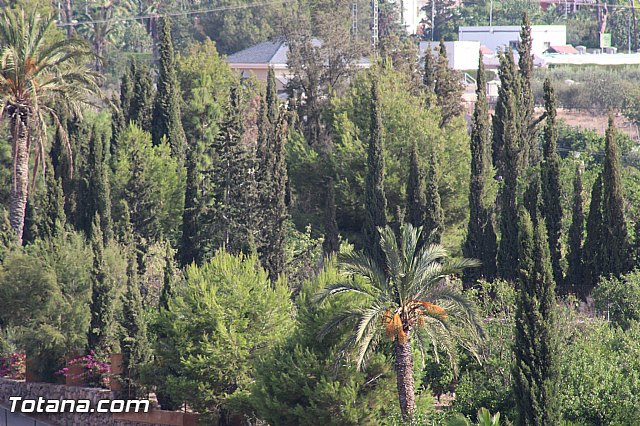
(273, 52)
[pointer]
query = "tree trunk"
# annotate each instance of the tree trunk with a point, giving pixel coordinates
(68, 14)
(404, 377)
(20, 177)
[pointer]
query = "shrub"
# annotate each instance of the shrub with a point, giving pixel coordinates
(619, 299)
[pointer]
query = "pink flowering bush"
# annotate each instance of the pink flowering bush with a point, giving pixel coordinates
(95, 372)
(13, 366)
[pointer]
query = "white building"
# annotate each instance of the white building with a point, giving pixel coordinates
(462, 55)
(501, 37)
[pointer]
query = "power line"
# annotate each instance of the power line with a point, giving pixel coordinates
(166, 14)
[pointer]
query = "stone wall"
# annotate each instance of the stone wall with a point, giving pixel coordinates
(32, 390)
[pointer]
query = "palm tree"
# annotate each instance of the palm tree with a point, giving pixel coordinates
(407, 300)
(39, 73)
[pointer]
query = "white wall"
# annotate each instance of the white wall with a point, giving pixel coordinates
(462, 55)
(500, 37)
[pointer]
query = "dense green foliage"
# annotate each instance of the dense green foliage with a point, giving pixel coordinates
(227, 305)
(243, 243)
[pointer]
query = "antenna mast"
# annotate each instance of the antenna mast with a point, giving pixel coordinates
(354, 19)
(374, 27)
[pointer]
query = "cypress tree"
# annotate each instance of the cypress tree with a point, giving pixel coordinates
(535, 368)
(429, 73)
(168, 280)
(102, 327)
(141, 106)
(416, 191)
(552, 211)
(189, 244)
(480, 242)
(575, 271)
(273, 250)
(505, 142)
(54, 219)
(592, 252)
(529, 150)
(98, 196)
(616, 259)
(166, 113)
(434, 216)
(375, 200)
(448, 88)
(331, 243)
(135, 346)
(272, 180)
(121, 114)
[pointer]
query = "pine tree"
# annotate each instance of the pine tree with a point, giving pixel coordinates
(429, 71)
(416, 191)
(166, 113)
(101, 335)
(331, 243)
(434, 216)
(592, 251)
(375, 199)
(615, 250)
(141, 107)
(535, 368)
(505, 144)
(481, 241)
(552, 211)
(575, 272)
(529, 150)
(135, 345)
(447, 88)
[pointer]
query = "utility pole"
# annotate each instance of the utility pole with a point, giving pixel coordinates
(433, 18)
(374, 27)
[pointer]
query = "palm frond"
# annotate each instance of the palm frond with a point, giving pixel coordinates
(334, 289)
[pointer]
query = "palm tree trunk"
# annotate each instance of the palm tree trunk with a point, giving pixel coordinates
(404, 377)
(20, 179)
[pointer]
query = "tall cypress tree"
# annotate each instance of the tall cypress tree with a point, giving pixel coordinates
(331, 243)
(592, 252)
(121, 115)
(189, 244)
(101, 335)
(141, 105)
(506, 147)
(447, 88)
(575, 271)
(168, 281)
(53, 218)
(416, 191)
(235, 190)
(135, 345)
(273, 248)
(429, 71)
(480, 242)
(535, 369)
(375, 200)
(529, 151)
(615, 250)
(99, 200)
(167, 120)
(552, 211)
(434, 216)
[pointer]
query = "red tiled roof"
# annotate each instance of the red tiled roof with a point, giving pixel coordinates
(485, 50)
(564, 50)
